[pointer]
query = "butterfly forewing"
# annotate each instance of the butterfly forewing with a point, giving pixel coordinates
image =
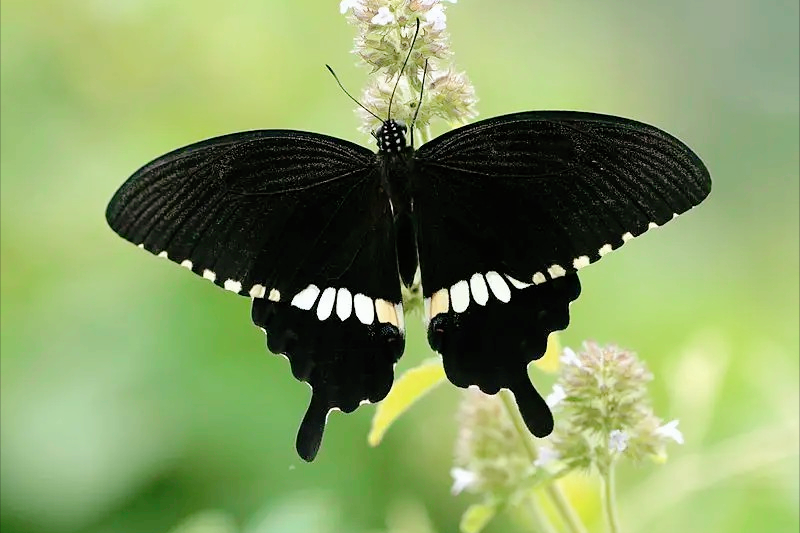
(553, 191)
(219, 206)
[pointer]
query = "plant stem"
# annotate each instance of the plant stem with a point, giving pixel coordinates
(608, 491)
(551, 489)
(519, 425)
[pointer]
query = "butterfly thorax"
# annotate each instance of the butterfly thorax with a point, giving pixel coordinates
(396, 160)
(391, 136)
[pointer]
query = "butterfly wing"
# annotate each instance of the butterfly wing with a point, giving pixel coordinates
(297, 221)
(511, 208)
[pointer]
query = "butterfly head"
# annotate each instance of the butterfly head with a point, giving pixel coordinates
(391, 136)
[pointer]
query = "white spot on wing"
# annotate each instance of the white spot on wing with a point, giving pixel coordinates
(386, 312)
(140, 246)
(581, 262)
(325, 305)
(480, 293)
(163, 254)
(517, 283)
(499, 287)
(401, 319)
(459, 294)
(539, 278)
(556, 271)
(187, 264)
(305, 299)
(365, 309)
(440, 302)
(233, 285)
(628, 236)
(274, 295)
(209, 275)
(605, 249)
(344, 304)
(652, 225)
(257, 291)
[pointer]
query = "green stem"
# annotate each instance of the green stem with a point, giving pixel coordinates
(608, 491)
(552, 490)
(519, 424)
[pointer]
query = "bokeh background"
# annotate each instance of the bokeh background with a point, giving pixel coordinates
(138, 398)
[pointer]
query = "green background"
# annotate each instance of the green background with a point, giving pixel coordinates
(135, 395)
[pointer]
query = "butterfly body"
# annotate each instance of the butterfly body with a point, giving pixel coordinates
(321, 233)
(398, 180)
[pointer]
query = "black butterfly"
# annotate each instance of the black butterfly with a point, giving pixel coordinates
(498, 215)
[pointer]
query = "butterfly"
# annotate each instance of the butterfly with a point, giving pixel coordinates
(321, 233)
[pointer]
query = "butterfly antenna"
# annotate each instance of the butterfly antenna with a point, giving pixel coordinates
(419, 103)
(400, 74)
(359, 104)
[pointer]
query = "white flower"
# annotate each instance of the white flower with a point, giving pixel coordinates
(618, 441)
(462, 479)
(436, 18)
(383, 17)
(670, 430)
(556, 396)
(344, 5)
(546, 456)
(568, 357)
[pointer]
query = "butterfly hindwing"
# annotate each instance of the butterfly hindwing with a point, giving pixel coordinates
(299, 222)
(510, 208)
(503, 328)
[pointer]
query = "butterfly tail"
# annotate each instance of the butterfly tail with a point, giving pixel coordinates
(309, 436)
(534, 410)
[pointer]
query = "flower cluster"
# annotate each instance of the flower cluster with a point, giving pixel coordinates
(386, 31)
(603, 412)
(489, 456)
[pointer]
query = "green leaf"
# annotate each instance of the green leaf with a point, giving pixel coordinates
(476, 517)
(549, 362)
(408, 388)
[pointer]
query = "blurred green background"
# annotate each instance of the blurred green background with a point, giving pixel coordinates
(138, 398)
